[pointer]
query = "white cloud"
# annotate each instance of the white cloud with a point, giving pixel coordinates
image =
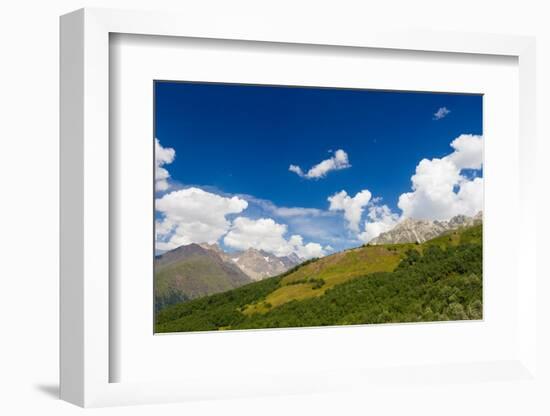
(337, 162)
(439, 190)
(380, 219)
(352, 207)
(442, 112)
(287, 212)
(470, 196)
(265, 234)
(163, 156)
(468, 152)
(194, 216)
(297, 170)
(312, 223)
(305, 251)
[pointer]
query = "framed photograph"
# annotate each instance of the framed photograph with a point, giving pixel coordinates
(319, 198)
(245, 238)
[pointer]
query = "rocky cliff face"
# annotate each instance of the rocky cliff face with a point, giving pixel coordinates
(256, 264)
(412, 231)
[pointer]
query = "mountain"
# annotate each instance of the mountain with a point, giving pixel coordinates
(196, 270)
(192, 271)
(258, 264)
(438, 280)
(419, 231)
(290, 261)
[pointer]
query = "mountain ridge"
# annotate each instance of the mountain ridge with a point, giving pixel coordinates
(438, 280)
(257, 264)
(412, 230)
(195, 270)
(191, 271)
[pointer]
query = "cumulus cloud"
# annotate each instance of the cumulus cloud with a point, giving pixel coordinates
(440, 190)
(193, 215)
(337, 162)
(470, 196)
(380, 219)
(265, 234)
(442, 112)
(353, 207)
(306, 251)
(468, 152)
(163, 156)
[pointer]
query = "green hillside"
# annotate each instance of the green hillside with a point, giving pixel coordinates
(440, 279)
(191, 272)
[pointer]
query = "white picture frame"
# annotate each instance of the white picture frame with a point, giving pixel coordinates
(85, 211)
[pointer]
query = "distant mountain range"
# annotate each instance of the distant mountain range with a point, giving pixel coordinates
(419, 231)
(259, 264)
(196, 270)
(437, 280)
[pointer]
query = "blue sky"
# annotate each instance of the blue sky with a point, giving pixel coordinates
(240, 140)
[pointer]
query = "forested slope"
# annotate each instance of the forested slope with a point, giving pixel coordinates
(440, 279)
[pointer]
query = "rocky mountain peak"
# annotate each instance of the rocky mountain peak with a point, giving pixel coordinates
(213, 247)
(179, 253)
(412, 230)
(256, 263)
(259, 264)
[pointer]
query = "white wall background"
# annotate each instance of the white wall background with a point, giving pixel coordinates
(29, 207)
